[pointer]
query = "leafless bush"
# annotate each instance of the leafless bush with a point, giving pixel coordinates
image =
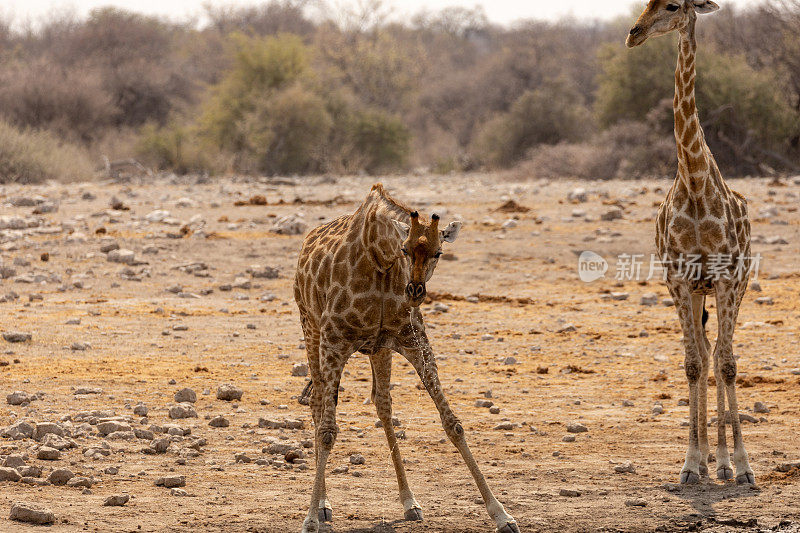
(627, 150)
(42, 95)
(28, 156)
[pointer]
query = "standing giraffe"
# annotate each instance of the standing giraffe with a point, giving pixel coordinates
(359, 283)
(703, 219)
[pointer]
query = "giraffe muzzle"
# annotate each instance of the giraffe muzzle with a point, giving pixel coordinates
(416, 292)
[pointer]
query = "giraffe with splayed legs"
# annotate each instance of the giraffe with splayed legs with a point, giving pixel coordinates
(360, 281)
(703, 218)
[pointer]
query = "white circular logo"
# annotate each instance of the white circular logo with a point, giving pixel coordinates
(591, 266)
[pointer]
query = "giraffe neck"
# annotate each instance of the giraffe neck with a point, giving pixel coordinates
(693, 164)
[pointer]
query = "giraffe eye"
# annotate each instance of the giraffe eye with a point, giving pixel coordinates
(672, 7)
(405, 252)
(438, 254)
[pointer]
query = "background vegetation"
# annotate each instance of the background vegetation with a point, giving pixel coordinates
(269, 90)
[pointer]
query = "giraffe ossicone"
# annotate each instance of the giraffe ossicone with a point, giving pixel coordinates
(701, 216)
(359, 283)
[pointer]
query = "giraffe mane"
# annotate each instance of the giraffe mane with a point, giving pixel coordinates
(389, 206)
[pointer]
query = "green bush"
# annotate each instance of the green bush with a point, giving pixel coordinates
(550, 114)
(261, 66)
(28, 156)
(743, 111)
(381, 139)
(177, 148)
(286, 132)
(272, 115)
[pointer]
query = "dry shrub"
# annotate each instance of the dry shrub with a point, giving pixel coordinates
(627, 150)
(28, 156)
(70, 102)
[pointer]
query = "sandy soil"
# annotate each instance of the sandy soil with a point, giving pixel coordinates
(528, 294)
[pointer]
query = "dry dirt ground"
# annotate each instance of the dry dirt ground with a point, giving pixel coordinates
(509, 291)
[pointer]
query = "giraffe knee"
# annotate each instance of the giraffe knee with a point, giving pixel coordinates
(327, 435)
(383, 406)
(728, 370)
(453, 429)
(693, 369)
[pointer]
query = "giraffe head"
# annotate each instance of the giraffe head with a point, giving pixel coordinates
(664, 16)
(422, 247)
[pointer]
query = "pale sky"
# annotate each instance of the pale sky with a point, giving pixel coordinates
(499, 11)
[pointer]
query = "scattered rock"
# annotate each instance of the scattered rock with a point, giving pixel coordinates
(47, 453)
(17, 336)
(569, 493)
(290, 225)
(357, 459)
(229, 392)
(116, 500)
(185, 395)
(14, 460)
(614, 213)
(121, 255)
(576, 427)
(88, 390)
(650, 298)
(578, 195)
(46, 428)
(60, 476)
(19, 398)
(300, 369)
(9, 474)
(219, 421)
(765, 300)
(19, 430)
(32, 513)
(81, 482)
(625, 468)
(182, 410)
(760, 407)
(112, 426)
(636, 502)
(242, 458)
(171, 481)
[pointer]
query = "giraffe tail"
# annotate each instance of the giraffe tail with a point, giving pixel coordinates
(306, 394)
(705, 315)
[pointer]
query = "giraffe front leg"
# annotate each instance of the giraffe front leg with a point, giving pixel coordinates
(423, 360)
(690, 473)
(728, 301)
(316, 405)
(724, 468)
(698, 308)
(326, 386)
(381, 377)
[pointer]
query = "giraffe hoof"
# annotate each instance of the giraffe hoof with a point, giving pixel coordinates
(746, 478)
(689, 478)
(510, 527)
(325, 514)
(309, 526)
(724, 472)
(414, 514)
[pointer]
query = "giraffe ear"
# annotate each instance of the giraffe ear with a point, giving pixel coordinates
(704, 6)
(402, 229)
(450, 233)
